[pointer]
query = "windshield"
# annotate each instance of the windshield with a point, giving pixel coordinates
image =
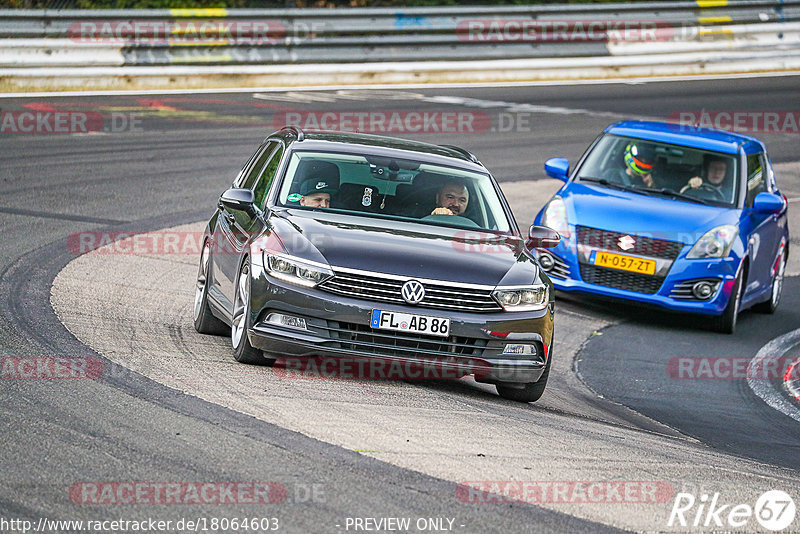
(392, 188)
(653, 168)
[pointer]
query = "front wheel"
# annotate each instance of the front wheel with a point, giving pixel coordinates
(530, 392)
(726, 323)
(777, 287)
(243, 352)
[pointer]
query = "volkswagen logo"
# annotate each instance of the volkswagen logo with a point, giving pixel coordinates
(626, 242)
(412, 292)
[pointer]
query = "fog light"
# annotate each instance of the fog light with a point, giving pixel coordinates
(703, 290)
(546, 261)
(287, 320)
(526, 350)
(519, 349)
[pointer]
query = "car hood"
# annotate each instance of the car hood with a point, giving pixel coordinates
(405, 249)
(633, 213)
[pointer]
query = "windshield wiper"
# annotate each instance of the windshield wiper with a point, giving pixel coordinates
(612, 185)
(644, 190)
(672, 193)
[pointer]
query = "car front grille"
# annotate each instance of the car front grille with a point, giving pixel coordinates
(644, 246)
(438, 296)
(639, 283)
(362, 338)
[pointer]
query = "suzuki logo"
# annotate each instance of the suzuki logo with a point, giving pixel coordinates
(412, 292)
(626, 242)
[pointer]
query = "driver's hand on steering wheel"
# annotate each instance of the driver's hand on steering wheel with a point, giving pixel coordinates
(442, 211)
(694, 183)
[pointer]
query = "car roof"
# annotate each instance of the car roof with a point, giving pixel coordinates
(382, 145)
(684, 135)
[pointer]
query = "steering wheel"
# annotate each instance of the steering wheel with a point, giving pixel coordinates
(707, 187)
(458, 220)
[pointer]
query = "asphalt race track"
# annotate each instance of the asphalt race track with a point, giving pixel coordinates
(172, 406)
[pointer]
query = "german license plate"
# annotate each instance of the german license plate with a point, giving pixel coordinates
(406, 322)
(622, 262)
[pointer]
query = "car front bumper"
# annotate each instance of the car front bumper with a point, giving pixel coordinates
(683, 273)
(339, 327)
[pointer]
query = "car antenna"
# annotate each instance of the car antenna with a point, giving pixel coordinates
(295, 130)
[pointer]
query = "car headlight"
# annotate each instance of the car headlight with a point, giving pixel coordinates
(524, 298)
(555, 216)
(295, 271)
(716, 243)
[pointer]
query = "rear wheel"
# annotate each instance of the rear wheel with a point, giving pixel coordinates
(777, 287)
(242, 350)
(204, 320)
(726, 323)
(530, 392)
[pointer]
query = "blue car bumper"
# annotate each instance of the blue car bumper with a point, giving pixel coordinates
(674, 292)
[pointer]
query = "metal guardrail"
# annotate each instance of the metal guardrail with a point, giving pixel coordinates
(45, 38)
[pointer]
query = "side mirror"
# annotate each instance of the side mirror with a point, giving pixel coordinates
(542, 237)
(238, 199)
(767, 203)
(557, 168)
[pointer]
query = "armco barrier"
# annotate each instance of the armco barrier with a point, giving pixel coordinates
(758, 34)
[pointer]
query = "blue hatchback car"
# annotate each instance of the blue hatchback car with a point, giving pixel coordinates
(689, 219)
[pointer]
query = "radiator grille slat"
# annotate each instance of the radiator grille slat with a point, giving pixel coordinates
(376, 288)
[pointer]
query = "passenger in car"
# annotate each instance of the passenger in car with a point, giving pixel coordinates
(640, 164)
(317, 193)
(451, 199)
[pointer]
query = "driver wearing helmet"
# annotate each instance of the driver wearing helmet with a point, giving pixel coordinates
(639, 163)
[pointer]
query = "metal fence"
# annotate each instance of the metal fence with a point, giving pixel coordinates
(79, 38)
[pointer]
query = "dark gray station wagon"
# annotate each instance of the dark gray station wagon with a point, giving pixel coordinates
(334, 245)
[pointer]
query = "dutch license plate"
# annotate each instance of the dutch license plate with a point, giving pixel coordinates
(406, 322)
(622, 262)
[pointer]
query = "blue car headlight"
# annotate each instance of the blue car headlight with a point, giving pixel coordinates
(716, 243)
(522, 298)
(295, 270)
(555, 216)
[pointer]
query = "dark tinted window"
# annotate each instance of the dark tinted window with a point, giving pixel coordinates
(267, 176)
(756, 177)
(255, 170)
(244, 170)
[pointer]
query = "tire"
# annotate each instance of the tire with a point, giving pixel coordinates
(726, 323)
(204, 320)
(777, 288)
(531, 392)
(243, 352)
